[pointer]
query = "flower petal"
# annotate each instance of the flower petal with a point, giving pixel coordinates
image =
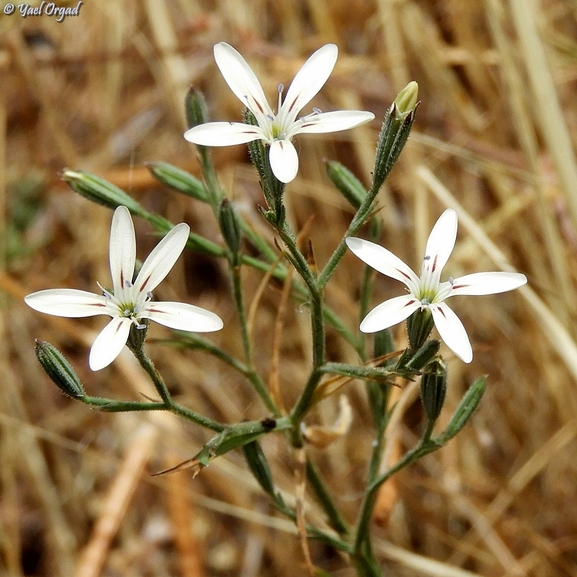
(389, 313)
(308, 81)
(122, 251)
(284, 160)
(440, 244)
(162, 259)
(223, 133)
(182, 316)
(70, 303)
(452, 331)
(109, 343)
(242, 80)
(335, 121)
(384, 261)
(487, 283)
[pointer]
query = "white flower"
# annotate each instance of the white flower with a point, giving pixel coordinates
(428, 291)
(129, 302)
(278, 129)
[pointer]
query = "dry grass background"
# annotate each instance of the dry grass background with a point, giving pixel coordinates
(494, 138)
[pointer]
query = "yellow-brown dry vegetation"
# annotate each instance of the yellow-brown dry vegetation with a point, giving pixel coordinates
(494, 138)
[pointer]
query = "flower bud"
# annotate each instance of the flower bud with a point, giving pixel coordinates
(230, 227)
(406, 100)
(100, 191)
(465, 410)
(347, 183)
(178, 180)
(59, 370)
(195, 108)
(396, 127)
(434, 388)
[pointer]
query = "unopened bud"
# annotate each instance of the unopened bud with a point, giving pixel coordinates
(178, 180)
(347, 183)
(465, 410)
(99, 190)
(434, 388)
(59, 370)
(195, 108)
(406, 100)
(396, 127)
(230, 226)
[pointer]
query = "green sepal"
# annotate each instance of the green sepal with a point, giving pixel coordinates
(419, 326)
(100, 191)
(347, 183)
(272, 187)
(59, 370)
(434, 388)
(178, 180)
(465, 409)
(137, 335)
(424, 355)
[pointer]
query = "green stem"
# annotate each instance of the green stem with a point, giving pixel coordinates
(424, 447)
(171, 405)
(250, 372)
(354, 226)
(239, 303)
(318, 485)
(317, 328)
(113, 406)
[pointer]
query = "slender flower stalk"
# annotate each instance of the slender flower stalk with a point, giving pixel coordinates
(427, 291)
(276, 130)
(130, 301)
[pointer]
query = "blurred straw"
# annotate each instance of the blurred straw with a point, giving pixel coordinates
(92, 558)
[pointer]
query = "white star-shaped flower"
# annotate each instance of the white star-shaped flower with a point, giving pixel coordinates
(130, 300)
(428, 292)
(276, 130)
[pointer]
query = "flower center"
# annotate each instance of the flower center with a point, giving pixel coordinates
(125, 306)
